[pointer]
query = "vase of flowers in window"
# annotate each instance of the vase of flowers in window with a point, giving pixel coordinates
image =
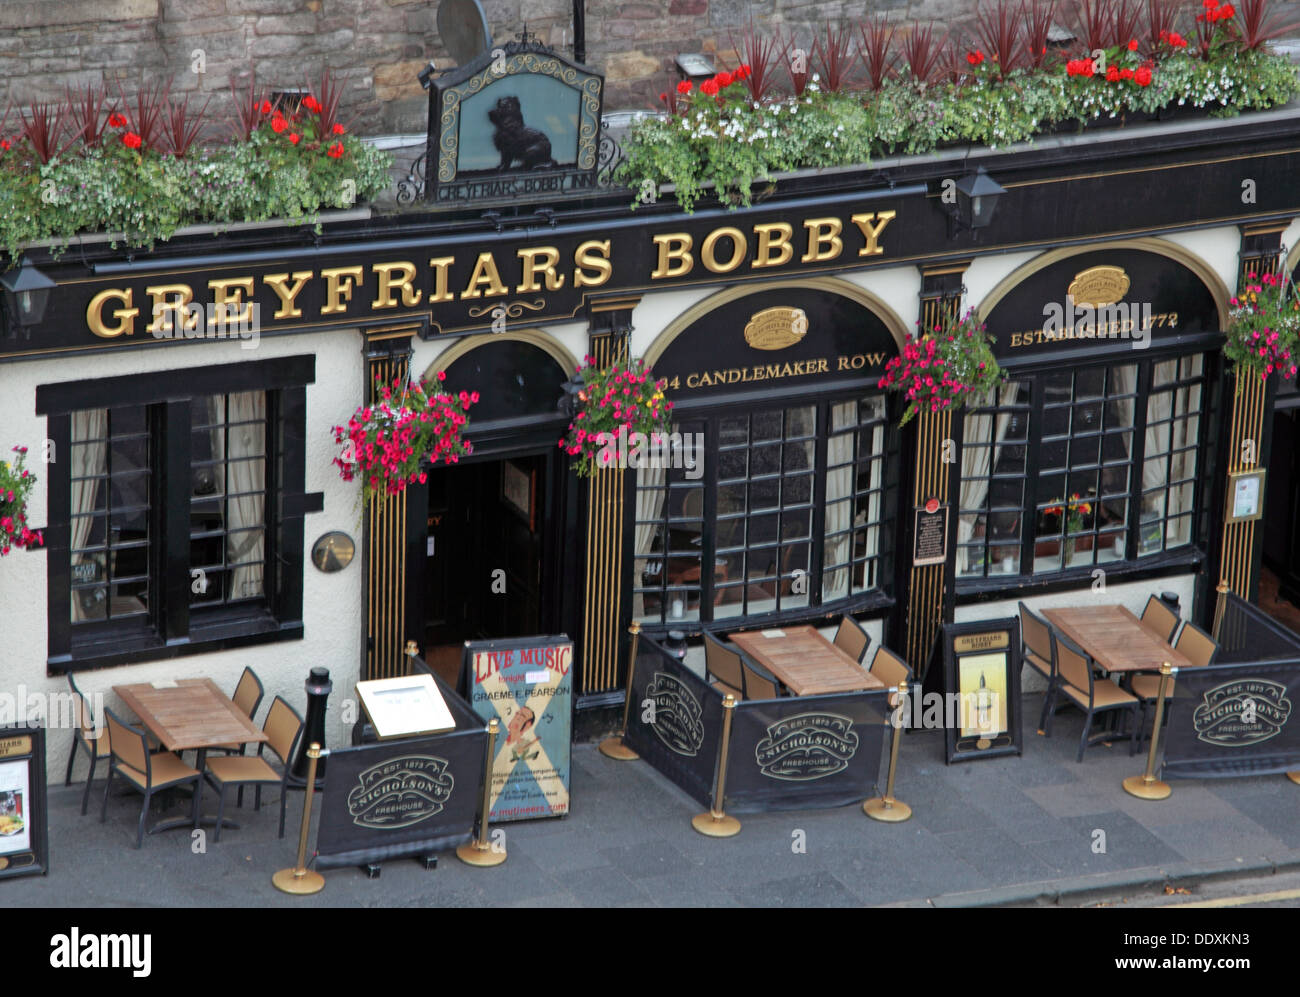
(1077, 512)
(15, 485)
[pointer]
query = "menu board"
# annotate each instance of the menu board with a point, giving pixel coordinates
(24, 847)
(982, 678)
(527, 684)
(931, 535)
(405, 706)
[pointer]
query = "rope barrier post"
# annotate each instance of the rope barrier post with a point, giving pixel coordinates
(300, 880)
(478, 852)
(1219, 607)
(886, 808)
(1147, 786)
(615, 747)
(715, 823)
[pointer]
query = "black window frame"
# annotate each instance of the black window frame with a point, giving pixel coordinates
(992, 585)
(878, 599)
(172, 629)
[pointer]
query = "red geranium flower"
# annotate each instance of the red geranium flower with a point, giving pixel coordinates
(1112, 74)
(1133, 45)
(724, 80)
(116, 120)
(335, 151)
(338, 129)
(311, 103)
(709, 87)
(975, 58)
(278, 124)
(684, 86)
(1143, 77)
(266, 107)
(131, 140)
(294, 137)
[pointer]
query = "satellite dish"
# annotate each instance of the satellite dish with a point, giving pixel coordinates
(463, 28)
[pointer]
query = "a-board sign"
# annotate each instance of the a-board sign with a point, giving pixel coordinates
(981, 669)
(405, 706)
(24, 835)
(526, 683)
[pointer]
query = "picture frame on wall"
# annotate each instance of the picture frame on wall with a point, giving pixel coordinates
(1245, 496)
(982, 663)
(519, 492)
(24, 833)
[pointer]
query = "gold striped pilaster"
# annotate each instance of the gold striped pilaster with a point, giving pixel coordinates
(385, 519)
(925, 591)
(1247, 424)
(603, 587)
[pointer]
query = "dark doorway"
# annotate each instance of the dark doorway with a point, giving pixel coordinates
(485, 555)
(1279, 593)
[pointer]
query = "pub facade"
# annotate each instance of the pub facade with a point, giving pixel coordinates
(186, 471)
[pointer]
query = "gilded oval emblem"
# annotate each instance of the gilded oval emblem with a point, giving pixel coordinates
(776, 328)
(1097, 287)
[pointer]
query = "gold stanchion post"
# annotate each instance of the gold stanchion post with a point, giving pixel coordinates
(301, 880)
(715, 823)
(1147, 786)
(1219, 607)
(885, 807)
(615, 747)
(478, 852)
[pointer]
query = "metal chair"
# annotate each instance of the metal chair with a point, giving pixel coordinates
(88, 738)
(725, 666)
(1038, 640)
(852, 639)
(759, 682)
(248, 697)
(890, 669)
(130, 759)
(1159, 619)
(283, 727)
(1091, 694)
(1194, 644)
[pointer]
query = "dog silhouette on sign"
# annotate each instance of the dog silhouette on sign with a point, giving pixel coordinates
(515, 140)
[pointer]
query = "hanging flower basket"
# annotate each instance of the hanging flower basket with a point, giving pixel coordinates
(386, 445)
(619, 408)
(1264, 331)
(15, 485)
(945, 366)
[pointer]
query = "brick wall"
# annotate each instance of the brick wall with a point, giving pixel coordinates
(382, 44)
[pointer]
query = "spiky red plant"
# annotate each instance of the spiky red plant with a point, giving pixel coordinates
(1093, 23)
(144, 115)
(834, 56)
(1161, 15)
(1124, 19)
(759, 53)
(45, 130)
(926, 56)
(328, 96)
(878, 59)
(1258, 24)
(1000, 31)
(182, 125)
(251, 107)
(88, 112)
(1038, 16)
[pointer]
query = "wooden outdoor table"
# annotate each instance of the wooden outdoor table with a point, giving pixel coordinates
(1115, 638)
(805, 661)
(193, 714)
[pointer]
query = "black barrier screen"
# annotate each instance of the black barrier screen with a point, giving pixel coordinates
(675, 722)
(1228, 720)
(1246, 633)
(410, 797)
(803, 752)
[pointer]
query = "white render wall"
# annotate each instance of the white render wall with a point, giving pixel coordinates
(332, 604)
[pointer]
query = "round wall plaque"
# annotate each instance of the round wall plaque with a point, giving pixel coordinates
(333, 551)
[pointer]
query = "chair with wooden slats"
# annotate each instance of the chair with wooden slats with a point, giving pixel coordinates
(1194, 644)
(852, 639)
(890, 669)
(1092, 694)
(1038, 640)
(248, 697)
(148, 774)
(759, 682)
(86, 737)
(1159, 619)
(724, 667)
(283, 728)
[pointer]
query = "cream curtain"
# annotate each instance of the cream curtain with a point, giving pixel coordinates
(983, 436)
(839, 499)
(89, 448)
(650, 494)
(245, 492)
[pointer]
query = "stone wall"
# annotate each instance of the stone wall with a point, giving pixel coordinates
(382, 44)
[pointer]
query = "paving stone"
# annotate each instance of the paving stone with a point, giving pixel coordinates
(815, 889)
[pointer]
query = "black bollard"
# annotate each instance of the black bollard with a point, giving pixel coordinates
(318, 688)
(676, 644)
(1170, 599)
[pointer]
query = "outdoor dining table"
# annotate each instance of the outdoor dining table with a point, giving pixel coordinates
(805, 661)
(189, 714)
(1115, 638)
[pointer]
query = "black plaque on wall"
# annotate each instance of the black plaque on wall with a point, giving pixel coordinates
(982, 670)
(24, 832)
(930, 538)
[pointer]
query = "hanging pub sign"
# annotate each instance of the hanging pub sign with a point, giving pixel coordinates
(520, 121)
(789, 338)
(24, 834)
(1112, 299)
(527, 683)
(1234, 720)
(981, 689)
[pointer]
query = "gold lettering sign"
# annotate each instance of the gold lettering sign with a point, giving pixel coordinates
(1099, 286)
(981, 642)
(776, 328)
(11, 746)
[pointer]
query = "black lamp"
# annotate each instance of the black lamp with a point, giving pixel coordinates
(568, 404)
(977, 199)
(27, 295)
